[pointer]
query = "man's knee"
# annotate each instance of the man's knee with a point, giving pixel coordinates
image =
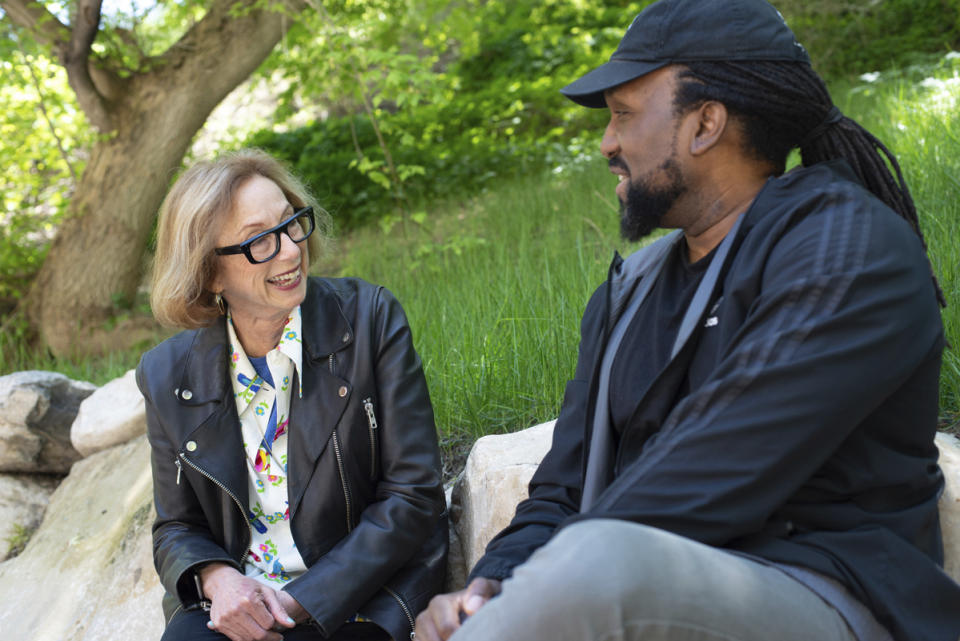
(607, 561)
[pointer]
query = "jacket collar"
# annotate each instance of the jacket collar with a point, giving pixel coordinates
(326, 329)
(199, 382)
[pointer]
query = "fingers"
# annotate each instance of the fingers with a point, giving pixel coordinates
(441, 618)
(271, 600)
(244, 628)
(445, 612)
(292, 607)
(478, 593)
(241, 609)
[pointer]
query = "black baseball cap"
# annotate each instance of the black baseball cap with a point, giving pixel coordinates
(678, 31)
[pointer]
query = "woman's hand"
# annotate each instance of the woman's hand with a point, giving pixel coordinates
(242, 608)
(292, 607)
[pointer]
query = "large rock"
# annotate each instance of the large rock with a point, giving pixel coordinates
(36, 411)
(23, 500)
(87, 574)
(950, 503)
(112, 415)
(494, 480)
(500, 466)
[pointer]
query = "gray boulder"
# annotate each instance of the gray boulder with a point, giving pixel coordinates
(500, 466)
(950, 503)
(87, 574)
(36, 411)
(112, 415)
(23, 500)
(494, 480)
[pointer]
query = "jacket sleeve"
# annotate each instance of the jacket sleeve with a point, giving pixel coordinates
(843, 316)
(409, 494)
(555, 489)
(181, 537)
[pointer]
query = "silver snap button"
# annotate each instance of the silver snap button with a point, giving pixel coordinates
(191, 446)
(346, 337)
(176, 392)
(343, 391)
(186, 395)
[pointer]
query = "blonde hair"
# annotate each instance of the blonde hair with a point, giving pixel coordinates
(191, 216)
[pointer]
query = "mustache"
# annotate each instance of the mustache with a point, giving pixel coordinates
(617, 162)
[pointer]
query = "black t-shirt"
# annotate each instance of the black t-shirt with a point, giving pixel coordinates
(648, 340)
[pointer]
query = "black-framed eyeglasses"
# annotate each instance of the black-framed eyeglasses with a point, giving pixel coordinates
(266, 244)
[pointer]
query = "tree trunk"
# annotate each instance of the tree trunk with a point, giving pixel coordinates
(97, 257)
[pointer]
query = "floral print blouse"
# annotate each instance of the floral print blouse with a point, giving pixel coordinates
(263, 404)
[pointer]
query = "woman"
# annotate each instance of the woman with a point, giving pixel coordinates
(295, 461)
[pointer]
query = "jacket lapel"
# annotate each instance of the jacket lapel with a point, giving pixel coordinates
(315, 415)
(212, 441)
(705, 290)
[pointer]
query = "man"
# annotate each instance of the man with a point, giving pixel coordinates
(746, 449)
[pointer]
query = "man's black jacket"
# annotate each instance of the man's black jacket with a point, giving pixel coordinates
(806, 437)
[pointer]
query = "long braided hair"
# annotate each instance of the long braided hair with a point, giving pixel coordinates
(784, 105)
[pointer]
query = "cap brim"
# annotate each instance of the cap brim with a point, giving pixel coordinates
(588, 90)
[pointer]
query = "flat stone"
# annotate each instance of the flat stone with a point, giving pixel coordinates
(23, 500)
(87, 574)
(499, 468)
(36, 411)
(494, 480)
(949, 448)
(112, 415)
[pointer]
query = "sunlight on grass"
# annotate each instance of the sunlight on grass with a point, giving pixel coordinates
(494, 289)
(495, 286)
(914, 112)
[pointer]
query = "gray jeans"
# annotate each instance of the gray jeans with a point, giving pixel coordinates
(607, 580)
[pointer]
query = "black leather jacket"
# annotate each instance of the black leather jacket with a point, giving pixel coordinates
(367, 509)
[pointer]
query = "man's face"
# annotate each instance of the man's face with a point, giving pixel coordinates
(641, 145)
(646, 203)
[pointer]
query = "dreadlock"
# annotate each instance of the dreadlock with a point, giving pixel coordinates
(784, 105)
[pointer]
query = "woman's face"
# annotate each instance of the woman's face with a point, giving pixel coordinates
(265, 292)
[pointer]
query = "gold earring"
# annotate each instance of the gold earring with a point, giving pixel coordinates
(220, 304)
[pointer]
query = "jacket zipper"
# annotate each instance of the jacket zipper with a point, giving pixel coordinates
(403, 606)
(243, 513)
(179, 468)
(372, 421)
(343, 479)
(343, 472)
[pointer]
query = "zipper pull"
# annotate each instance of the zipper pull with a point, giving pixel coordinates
(179, 469)
(371, 417)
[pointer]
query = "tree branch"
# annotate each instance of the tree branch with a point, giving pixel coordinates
(34, 17)
(46, 116)
(72, 46)
(223, 14)
(75, 57)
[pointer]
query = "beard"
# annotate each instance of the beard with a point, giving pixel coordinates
(646, 204)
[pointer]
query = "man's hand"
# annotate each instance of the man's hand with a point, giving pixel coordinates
(442, 617)
(242, 608)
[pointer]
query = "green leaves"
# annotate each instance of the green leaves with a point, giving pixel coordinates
(446, 97)
(43, 138)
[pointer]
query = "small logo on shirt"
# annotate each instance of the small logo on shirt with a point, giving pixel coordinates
(713, 320)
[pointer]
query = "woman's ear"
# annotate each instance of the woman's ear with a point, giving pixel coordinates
(710, 122)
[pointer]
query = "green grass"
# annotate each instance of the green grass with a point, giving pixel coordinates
(495, 286)
(916, 112)
(494, 290)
